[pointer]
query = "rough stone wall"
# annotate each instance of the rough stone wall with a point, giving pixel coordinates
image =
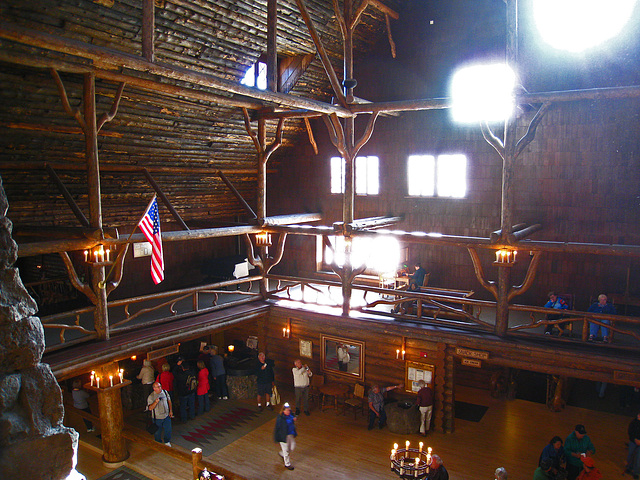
(31, 410)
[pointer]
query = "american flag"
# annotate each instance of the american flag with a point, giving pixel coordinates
(150, 226)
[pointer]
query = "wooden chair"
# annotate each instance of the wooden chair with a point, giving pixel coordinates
(315, 383)
(568, 299)
(356, 402)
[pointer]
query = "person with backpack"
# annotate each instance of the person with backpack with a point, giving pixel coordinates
(185, 383)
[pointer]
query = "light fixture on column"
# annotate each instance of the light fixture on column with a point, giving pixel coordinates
(98, 255)
(286, 330)
(506, 257)
(263, 239)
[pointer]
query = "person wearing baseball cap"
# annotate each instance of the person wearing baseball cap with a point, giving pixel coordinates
(589, 470)
(577, 447)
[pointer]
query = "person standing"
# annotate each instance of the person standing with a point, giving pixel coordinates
(577, 447)
(159, 403)
(165, 378)
(285, 434)
(424, 401)
(343, 357)
(437, 470)
(266, 379)
(301, 375)
(219, 374)
(146, 376)
(633, 455)
(184, 384)
(601, 306)
(80, 398)
(202, 390)
(376, 405)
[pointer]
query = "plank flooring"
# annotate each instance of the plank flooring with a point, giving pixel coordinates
(511, 434)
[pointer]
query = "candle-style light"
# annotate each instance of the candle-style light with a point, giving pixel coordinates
(86, 255)
(111, 380)
(420, 446)
(121, 374)
(397, 354)
(403, 354)
(98, 382)
(93, 374)
(515, 252)
(407, 444)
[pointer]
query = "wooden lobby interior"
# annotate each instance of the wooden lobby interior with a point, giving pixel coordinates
(289, 207)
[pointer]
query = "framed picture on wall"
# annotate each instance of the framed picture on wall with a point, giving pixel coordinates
(252, 342)
(414, 372)
(306, 348)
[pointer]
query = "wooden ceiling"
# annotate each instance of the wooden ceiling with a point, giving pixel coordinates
(182, 140)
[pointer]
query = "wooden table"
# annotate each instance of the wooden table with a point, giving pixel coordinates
(335, 390)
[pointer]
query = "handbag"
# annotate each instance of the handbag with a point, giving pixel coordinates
(275, 395)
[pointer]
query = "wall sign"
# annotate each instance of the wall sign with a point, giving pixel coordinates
(467, 352)
(471, 362)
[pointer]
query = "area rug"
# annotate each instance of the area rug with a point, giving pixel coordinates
(123, 473)
(470, 411)
(223, 424)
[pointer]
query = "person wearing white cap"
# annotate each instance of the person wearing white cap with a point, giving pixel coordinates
(285, 433)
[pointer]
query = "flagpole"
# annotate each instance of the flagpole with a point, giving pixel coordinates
(103, 284)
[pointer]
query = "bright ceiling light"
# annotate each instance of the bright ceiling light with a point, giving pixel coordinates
(483, 93)
(577, 25)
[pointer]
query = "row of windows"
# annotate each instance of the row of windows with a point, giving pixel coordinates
(427, 175)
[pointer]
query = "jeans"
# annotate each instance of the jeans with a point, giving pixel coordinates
(382, 420)
(164, 425)
(203, 403)
(633, 458)
(188, 402)
(221, 386)
(593, 329)
(302, 397)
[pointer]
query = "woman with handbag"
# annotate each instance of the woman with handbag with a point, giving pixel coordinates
(159, 404)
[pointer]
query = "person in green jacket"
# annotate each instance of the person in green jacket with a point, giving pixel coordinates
(576, 446)
(542, 472)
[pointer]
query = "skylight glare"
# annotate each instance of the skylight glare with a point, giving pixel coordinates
(577, 25)
(482, 93)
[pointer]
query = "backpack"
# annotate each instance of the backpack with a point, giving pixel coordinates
(192, 382)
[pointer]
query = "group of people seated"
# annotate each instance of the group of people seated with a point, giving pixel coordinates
(600, 306)
(572, 460)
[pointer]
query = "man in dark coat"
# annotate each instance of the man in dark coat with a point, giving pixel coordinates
(437, 470)
(265, 380)
(183, 377)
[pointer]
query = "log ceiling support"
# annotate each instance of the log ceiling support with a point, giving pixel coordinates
(148, 29)
(324, 56)
(67, 196)
(263, 262)
(237, 194)
(164, 199)
(272, 45)
(90, 126)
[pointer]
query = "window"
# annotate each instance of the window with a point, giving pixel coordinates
(442, 176)
(252, 80)
(381, 254)
(366, 171)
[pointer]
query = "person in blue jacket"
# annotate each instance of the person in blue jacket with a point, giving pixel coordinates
(559, 304)
(601, 306)
(285, 434)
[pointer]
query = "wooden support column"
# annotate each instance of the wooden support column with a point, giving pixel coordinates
(272, 45)
(445, 383)
(101, 313)
(502, 300)
(114, 448)
(148, 29)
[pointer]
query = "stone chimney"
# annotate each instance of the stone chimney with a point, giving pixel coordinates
(33, 441)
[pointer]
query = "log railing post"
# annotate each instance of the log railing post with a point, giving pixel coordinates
(196, 458)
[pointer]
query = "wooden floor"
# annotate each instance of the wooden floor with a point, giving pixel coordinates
(511, 434)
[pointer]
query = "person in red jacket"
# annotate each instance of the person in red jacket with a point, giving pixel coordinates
(165, 379)
(589, 470)
(202, 391)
